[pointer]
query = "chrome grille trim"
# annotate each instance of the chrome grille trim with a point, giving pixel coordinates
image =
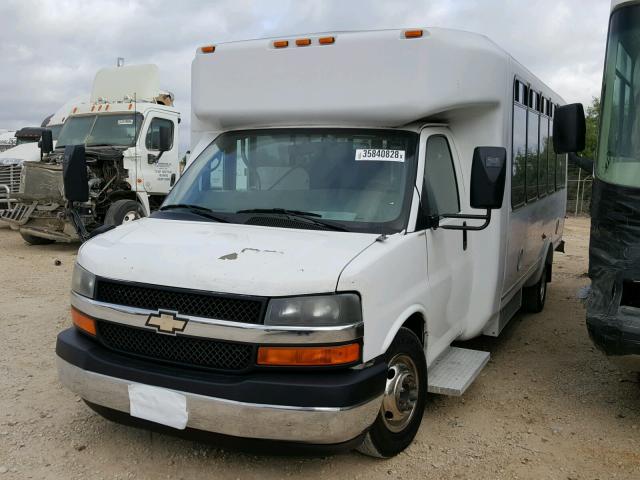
(221, 329)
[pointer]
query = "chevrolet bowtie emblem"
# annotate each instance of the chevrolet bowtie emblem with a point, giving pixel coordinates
(166, 322)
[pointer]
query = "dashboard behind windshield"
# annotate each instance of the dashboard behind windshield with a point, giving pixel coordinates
(106, 129)
(360, 178)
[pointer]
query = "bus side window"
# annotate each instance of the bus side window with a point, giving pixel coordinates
(543, 168)
(518, 155)
(533, 134)
(440, 177)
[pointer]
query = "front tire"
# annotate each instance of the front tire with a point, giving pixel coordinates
(404, 399)
(122, 212)
(33, 240)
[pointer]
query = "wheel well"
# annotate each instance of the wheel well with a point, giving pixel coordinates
(122, 195)
(416, 324)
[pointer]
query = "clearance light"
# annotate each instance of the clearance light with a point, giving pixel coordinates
(327, 40)
(75, 109)
(309, 356)
(130, 106)
(107, 107)
(99, 107)
(303, 42)
(413, 33)
(208, 49)
(84, 323)
(93, 107)
(281, 43)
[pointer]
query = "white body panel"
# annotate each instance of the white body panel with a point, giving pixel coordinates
(140, 82)
(244, 259)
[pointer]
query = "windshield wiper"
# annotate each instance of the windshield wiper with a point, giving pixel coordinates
(309, 217)
(195, 209)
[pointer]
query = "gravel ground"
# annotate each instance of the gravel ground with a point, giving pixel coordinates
(548, 405)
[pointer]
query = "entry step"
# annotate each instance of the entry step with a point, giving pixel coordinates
(455, 371)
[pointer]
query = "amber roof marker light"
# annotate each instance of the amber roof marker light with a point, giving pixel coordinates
(303, 42)
(281, 43)
(414, 33)
(208, 49)
(327, 40)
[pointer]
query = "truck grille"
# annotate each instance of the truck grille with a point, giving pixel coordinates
(185, 302)
(180, 350)
(10, 176)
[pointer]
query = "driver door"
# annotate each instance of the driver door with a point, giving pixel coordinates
(157, 172)
(448, 258)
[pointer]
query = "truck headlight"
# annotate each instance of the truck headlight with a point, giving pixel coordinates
(315, 311)
(83, 282)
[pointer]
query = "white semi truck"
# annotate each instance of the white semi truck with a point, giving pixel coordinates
(355, 202)
(128, 132)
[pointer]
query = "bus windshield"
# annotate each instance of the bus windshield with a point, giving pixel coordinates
(359, 178)
(618, 159)
(98, 130)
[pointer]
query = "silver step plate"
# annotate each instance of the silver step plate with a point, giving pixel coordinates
(455, 371)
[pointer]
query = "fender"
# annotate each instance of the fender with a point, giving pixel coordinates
(547, 259)
(143, 198)
(400, 321)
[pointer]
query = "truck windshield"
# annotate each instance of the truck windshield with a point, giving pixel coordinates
(361, 179)
(618, 159)
(107, 129)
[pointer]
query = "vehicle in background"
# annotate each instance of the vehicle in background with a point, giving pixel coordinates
(27, 150)
(341, 223)
(7, 139)
(126, 136)
(613, 306)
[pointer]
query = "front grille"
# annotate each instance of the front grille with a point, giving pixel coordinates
(10, 176)
(180, 350)
(185, 302)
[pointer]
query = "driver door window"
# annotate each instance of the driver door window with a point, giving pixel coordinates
(152, 141)
(440, 185)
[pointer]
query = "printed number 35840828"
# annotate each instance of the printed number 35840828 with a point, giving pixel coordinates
(380, 155)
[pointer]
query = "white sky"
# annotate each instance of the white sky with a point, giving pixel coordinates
(50, 50)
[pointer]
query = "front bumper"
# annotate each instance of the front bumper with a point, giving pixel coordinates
(314, 407)
(618, 337)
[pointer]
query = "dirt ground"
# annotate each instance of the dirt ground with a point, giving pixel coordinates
(548, 405)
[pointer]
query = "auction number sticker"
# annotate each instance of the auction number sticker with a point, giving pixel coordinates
(379, 155)
(125, 121)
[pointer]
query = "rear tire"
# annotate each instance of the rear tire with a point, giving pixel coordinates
(122, 212)
(404, 400)
(535, 296)
(33, 240)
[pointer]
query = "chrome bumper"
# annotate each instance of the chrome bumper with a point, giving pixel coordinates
(270, 422)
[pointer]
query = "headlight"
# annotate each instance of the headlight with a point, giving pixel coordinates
(83, 282)
(315, 311)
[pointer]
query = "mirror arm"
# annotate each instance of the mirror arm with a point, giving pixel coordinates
(486, 217)
(584, 163)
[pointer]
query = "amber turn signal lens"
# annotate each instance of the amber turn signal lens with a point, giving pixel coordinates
(309, 356)
(413, 34)
(281, 43)
(208, 49)
(83, 322)
(303, 42)
(326, 40)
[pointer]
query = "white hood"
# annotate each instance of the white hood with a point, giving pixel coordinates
(226, 258)
(27, 152)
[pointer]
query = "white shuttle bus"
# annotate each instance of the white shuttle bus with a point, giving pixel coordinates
(355, 203)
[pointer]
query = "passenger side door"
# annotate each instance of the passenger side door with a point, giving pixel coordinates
(448, 259)
(158, 173)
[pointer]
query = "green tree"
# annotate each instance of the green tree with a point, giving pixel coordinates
(593, 125)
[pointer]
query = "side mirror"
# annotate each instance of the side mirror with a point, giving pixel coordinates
(74, 174)
(569, 129)
(488, 174)
(164, 143)
(46, 142)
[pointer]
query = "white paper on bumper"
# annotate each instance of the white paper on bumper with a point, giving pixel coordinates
(158, 405)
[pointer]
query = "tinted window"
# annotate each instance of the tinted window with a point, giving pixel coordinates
(532, 156)
(440, 177)
(519, 155)
(152, 141)
(553, 161)
(543, 165)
